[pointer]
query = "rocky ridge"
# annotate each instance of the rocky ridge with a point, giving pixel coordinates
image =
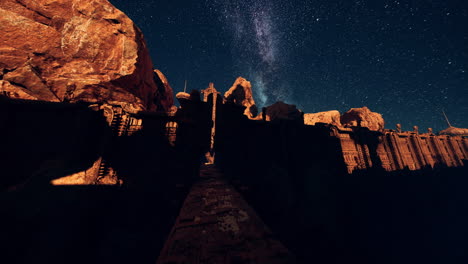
(282, 111)
(329, 117)
(363, 117)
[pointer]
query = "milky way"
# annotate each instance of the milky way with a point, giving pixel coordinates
(407, 60)
(256, 45)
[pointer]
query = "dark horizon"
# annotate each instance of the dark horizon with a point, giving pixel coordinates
(406, 61)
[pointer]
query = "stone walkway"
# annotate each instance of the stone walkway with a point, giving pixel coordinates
(216, 225)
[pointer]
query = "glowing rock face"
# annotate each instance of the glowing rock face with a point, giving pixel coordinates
(241, 94)
(328, 117)
(165, 92)
(73, 50)
(454, 131)
(363, 117)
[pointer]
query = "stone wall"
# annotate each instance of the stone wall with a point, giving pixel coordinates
(400, 150)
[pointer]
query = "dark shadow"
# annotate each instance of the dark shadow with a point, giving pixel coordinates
(42, 141)
(293, 176)
(365, 137)
(90, 224)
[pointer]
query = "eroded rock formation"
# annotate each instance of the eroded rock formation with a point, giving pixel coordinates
(183, 95)
(329, 117)
(165, 95)
(454, 131)
(363, 117)
(280, 110)
(241, 94)
(73, 50)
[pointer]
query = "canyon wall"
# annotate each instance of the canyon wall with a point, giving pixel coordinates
(329, 193)
(392, 150)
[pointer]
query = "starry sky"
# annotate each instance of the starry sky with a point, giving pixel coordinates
(407, 60)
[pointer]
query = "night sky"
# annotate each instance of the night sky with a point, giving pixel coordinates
(407, 60)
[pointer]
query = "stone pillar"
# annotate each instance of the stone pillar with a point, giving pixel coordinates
(397, 152)
(211, 90)
(392, 162)
(441, 151)
(398, 128)
(426, 150)
(463, 147)
(417, 149)
(456, 152)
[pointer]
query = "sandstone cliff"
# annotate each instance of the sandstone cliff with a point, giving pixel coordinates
(73, 50)
(241, 94)
(329, 117)
(363, 117)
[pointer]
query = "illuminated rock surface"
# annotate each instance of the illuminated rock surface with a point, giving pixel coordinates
(363, 117)
(454, 131)
(216, 225)
(183, 95)
(329, 117)
(72, 50)
(165, 99)
(241, 94)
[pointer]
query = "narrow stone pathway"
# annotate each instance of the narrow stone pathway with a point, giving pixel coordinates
(216, 225)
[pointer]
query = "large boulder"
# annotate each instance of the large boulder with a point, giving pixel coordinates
(165, 99)
(74, 50)
(241, 94)
(328, 117)
(283, 111)
(363, 117)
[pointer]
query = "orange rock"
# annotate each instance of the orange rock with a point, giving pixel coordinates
(165, 93)
(363, 117)
(241, 94)
(183, 95)
(454, 131)
(329, 117)
(13, 91)
(73, 50)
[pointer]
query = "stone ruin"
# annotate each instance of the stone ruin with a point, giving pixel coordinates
(391, 150)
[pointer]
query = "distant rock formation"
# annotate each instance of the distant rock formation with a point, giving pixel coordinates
(363, 117)
(241, 94)
(454, 131)
(183, 95)
(73, 50)
(184, 98)
(329, 117)
(282, 111)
